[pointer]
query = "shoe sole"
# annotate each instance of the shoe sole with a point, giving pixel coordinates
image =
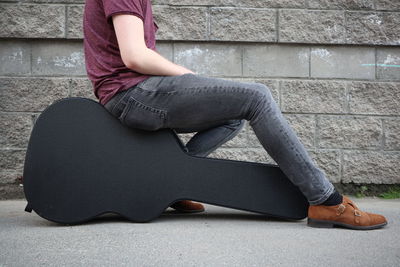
(331, 224)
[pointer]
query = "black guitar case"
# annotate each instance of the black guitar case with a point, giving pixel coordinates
(82, 162)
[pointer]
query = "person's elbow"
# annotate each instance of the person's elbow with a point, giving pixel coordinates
(135, 61)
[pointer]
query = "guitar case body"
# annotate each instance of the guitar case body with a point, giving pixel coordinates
(81, 162)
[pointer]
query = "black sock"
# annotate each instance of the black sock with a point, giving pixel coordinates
(334, 199)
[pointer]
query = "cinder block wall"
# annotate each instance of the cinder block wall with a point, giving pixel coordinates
(333, 68)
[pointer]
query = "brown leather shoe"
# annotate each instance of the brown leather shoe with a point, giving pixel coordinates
(187, 206)
(345, 214)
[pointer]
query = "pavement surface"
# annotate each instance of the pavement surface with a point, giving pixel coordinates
(217, 237)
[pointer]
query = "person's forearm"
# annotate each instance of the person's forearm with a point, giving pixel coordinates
(152, 63)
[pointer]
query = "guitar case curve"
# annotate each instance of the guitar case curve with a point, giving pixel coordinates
(81, 162)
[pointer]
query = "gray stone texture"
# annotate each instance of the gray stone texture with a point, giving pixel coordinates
(12, 160)
(181, 23)
(237, 3)
(392, 133)
(343, 62)
(75, 22)
(314, 21)
(209, 59)
(8, 178)
(15, 129)
(376, 167)
(329, 162)
(11, 191)
(58, 58)
(350, 132)
(31, 94)
(390, 5)
(32, 21)
(275, 60)
(82, 87)
(332, 67)
(304, 127)
(388, 63)
(374, 98)
(166, 50)
(373, 28)
(341, 4)
(310, 26)
(322, 96)
(15, 57)
(244, 24)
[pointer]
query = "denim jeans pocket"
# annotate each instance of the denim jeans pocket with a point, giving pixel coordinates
(138, 115)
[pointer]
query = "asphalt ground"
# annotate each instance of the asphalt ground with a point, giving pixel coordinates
(217, 237)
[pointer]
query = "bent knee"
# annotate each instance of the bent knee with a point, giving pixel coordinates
(261, 91)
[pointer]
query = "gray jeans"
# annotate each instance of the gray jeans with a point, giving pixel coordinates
(216, 109)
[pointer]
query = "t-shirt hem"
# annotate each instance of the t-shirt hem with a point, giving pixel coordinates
(104, 100)
(108, 17)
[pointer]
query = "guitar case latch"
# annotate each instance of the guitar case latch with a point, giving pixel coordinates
(28, 207)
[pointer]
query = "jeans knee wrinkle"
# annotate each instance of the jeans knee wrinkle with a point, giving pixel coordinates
(261, 106)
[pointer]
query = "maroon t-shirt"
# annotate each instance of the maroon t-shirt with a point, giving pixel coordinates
(104, 65)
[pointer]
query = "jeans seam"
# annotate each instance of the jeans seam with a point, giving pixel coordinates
(119, 101)
(298, 152)
(190, 90)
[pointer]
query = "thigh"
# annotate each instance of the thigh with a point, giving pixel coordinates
(188, 101)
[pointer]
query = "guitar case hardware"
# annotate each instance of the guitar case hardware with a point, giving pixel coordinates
(81, 162)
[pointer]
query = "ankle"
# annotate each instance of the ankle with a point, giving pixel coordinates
(334, 199)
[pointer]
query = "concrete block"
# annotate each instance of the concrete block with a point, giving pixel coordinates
(237, 3)
(349, 132)
(304, 127)
(378, 167)
(9, 177)
(388, 63)
(374, 98)
(390, 5)
(82, 87)
(321, 96)
(373, 28)
(15, 129)
(275, 60)
(165, 49)
(11, 191)
(31, 94)
(75, 21)
(15, 57)
(58, 58)
(12, 160)
(242, 24)
(310, 26)
(343, 62)
(209, 59)
(32, 21)
(391, 128)
(181, 23)
(341, 4)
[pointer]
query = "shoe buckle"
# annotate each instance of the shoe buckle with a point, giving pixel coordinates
(357, 213)
(341, 209)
